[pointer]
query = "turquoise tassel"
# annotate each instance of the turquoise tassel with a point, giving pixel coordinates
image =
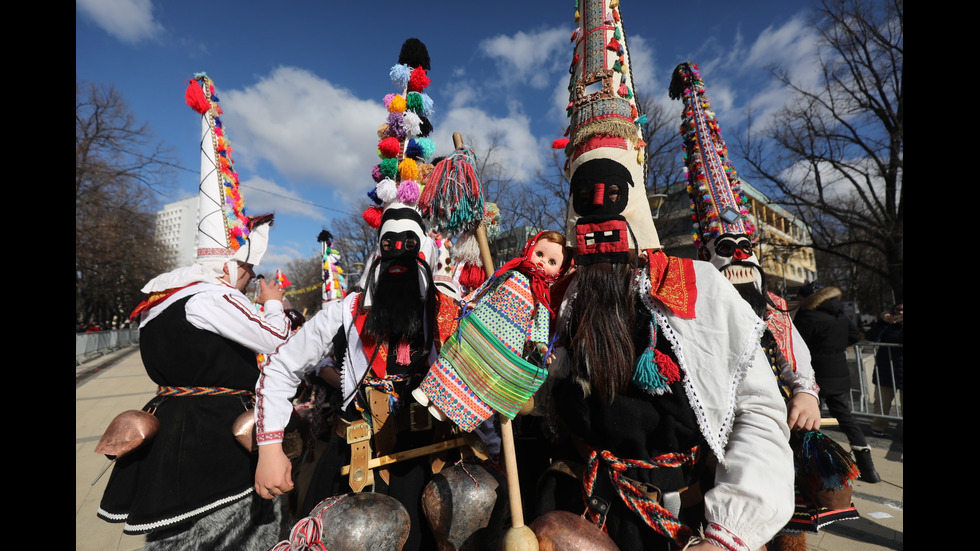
(646, 375)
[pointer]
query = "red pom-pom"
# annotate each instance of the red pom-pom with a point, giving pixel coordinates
(560, 143)
(390, 147)
(418, 80)
(194, 96)
(373, 217)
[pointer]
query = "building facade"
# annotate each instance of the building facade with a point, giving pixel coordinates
(176, 230)
(783, 248)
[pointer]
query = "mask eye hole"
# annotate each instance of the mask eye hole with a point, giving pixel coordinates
(725, 248)
(411, 244)
(386, 244)
(614, 193)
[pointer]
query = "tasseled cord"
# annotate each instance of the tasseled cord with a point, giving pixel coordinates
(654, 369)
(453, 195)
(822, 463)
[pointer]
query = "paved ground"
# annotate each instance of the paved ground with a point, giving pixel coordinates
(117, 382)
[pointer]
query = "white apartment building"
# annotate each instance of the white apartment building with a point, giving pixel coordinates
(176, 229)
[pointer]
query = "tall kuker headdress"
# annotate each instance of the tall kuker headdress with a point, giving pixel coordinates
(605, 146)
(334, 281)
(404, 149)
(719, 208)
(225, 232)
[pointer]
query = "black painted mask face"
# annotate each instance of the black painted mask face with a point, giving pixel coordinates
(738, 247)
(399, 250)
(600, 187)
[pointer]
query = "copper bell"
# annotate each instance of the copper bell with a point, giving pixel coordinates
(127, 432)
(244, 430)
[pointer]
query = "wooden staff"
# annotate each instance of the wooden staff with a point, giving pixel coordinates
(518, 537)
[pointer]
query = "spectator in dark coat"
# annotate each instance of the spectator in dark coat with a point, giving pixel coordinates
(827, 333)
(889, 328)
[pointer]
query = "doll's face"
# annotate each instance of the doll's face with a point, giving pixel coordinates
(548, 256)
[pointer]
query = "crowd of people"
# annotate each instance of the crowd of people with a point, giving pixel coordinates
(664, 396)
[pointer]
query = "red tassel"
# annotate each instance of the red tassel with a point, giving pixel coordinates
(667, 367)
(194, 96)
(613, 45)
(472, 276)
(560, 143)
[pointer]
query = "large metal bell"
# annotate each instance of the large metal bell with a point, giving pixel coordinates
(564, 531)
(366, 520)
(466, 506)
(126, 432)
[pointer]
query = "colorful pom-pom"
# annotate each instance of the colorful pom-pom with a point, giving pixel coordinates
(409, 169)
(373, 216)
(396, 105)
(387, 190)
(387, 100)
(389, 147)
(560, 143)
(408, 191)
(428, 147)
(412, 124)
(418, 80)
(413, 103)
(376, 174)
(389, 167)
(400, 75)
(412, 150)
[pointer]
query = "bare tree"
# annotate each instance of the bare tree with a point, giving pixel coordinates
(836, 152)
(118, 167)
(306, 276)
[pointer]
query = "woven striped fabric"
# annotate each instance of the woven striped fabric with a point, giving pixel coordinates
(200, 391)
(499, 377)
(652, 513)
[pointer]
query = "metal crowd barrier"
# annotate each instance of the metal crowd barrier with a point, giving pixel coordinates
(97, 343)
(865, 392)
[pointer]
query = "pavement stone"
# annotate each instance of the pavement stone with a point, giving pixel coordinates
(117, 382)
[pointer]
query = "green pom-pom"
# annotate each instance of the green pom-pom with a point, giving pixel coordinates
(389, 167)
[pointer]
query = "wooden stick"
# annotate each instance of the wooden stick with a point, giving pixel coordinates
(519, 536)
(409, 454)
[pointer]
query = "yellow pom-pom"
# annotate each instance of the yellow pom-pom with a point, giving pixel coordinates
(397, 105)
(408, 169)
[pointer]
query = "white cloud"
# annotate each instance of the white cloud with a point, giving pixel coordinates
(130, 21)
(515, 147)
(266, 196)
(529, 57)
(307, 128)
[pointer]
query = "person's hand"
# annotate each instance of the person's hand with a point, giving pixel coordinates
(270, 291)
(273, 474)
(803, 412)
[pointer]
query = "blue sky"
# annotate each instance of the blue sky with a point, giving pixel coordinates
(301, 82)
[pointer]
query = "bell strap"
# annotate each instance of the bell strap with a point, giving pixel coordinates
(652, 513)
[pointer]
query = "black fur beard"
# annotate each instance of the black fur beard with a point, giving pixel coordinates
(601, 326)
(397, 306)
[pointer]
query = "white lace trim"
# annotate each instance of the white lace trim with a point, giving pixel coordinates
(716, 441)
(150, 526)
